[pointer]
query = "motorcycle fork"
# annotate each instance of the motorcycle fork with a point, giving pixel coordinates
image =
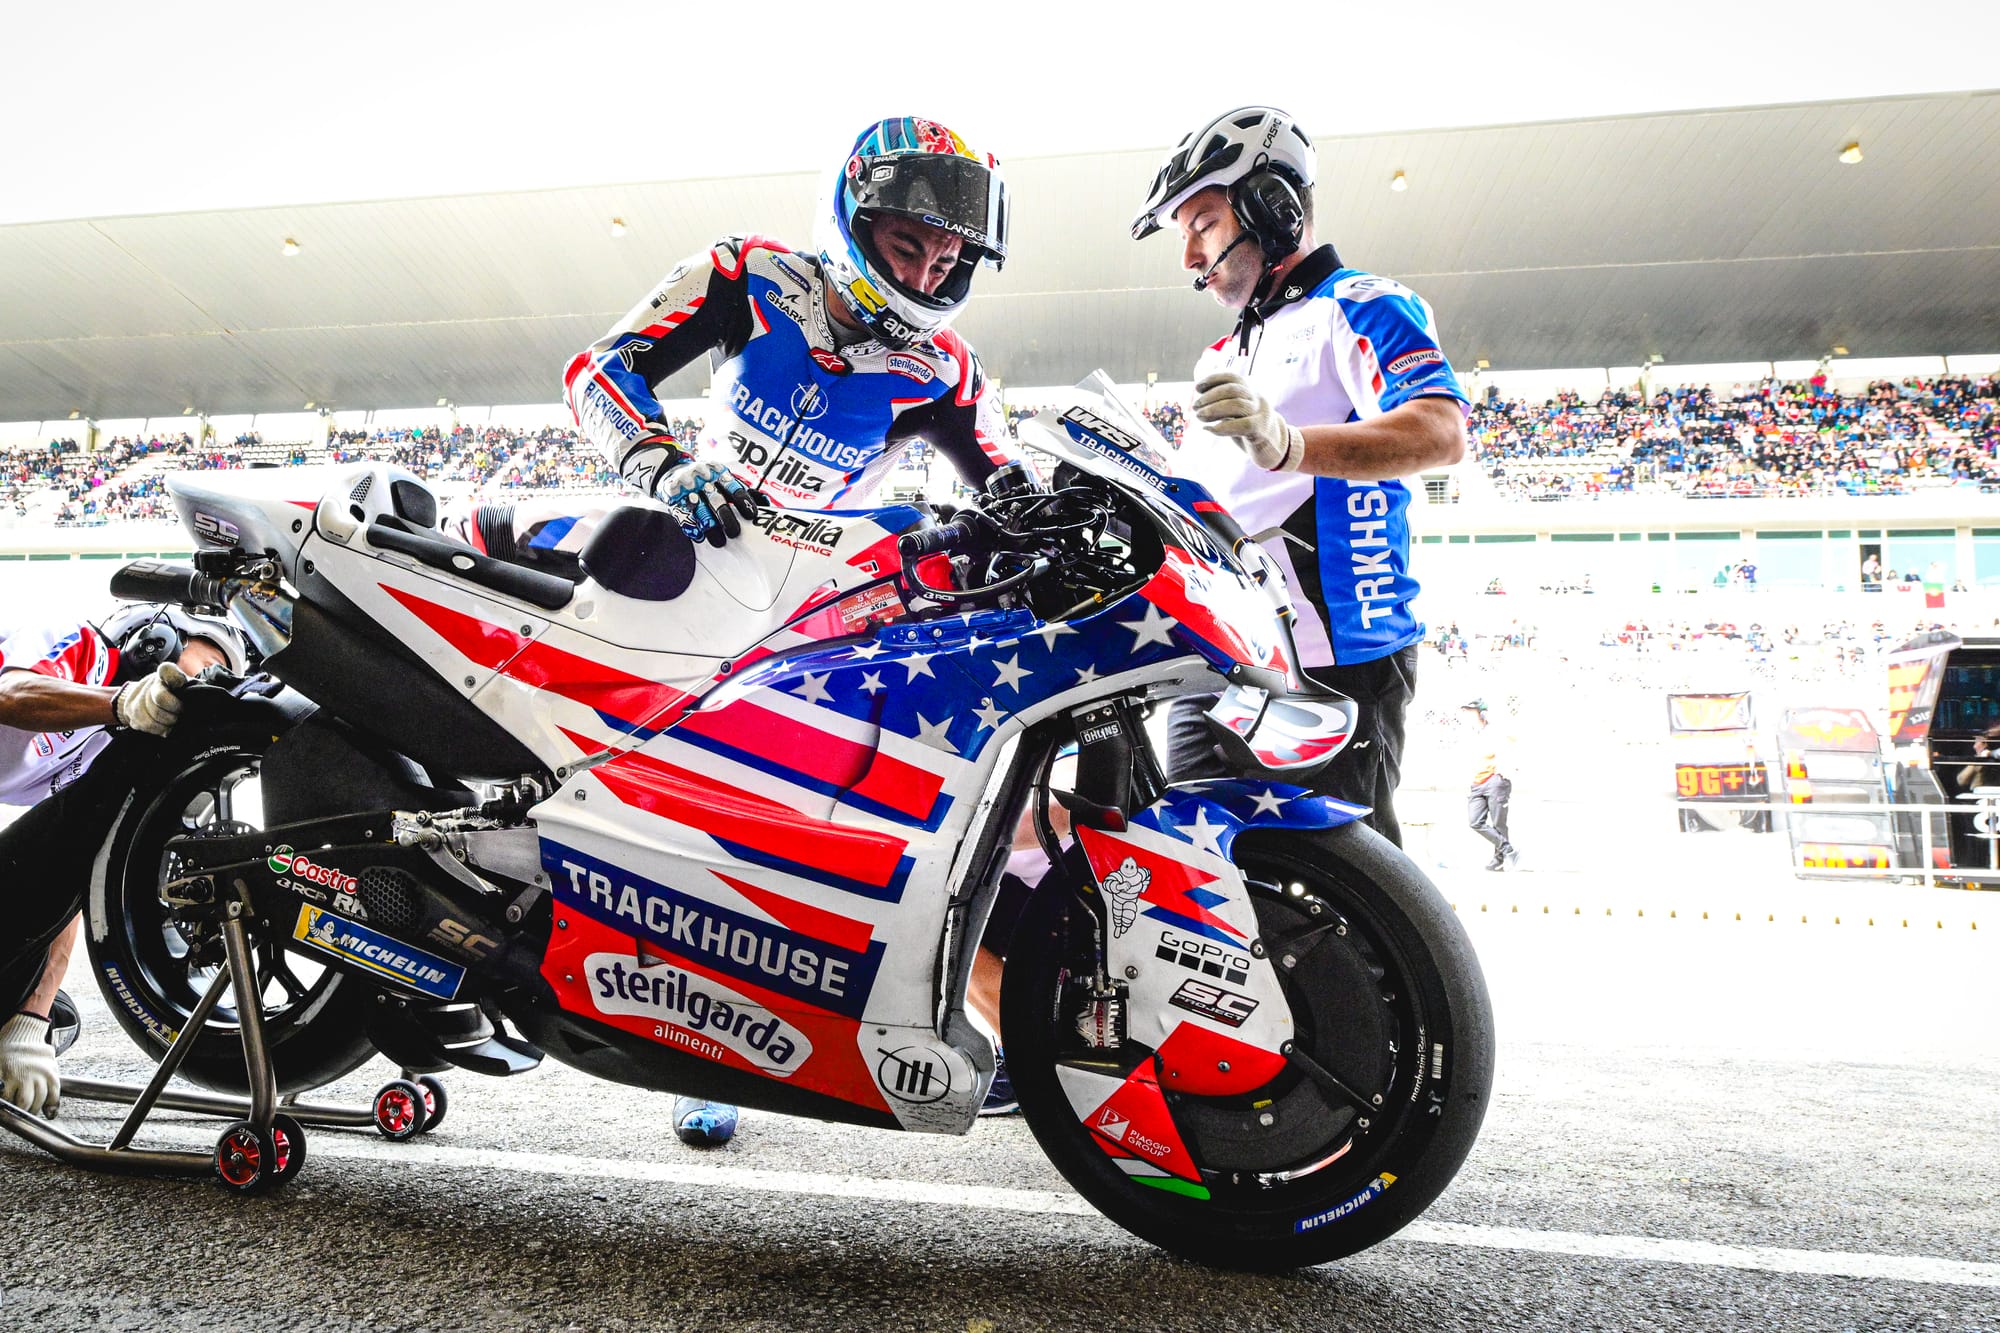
(1117, 775)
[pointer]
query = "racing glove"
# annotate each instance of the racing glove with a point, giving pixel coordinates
(707, 498)
(1228, 406)
(149, 704)
(28, 1075)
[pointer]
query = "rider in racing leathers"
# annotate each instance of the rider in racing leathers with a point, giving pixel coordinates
(826, 363)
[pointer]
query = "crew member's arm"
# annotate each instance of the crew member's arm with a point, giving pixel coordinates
(32, 701)
(53, 967)
(1409, 411)
(1422, 433)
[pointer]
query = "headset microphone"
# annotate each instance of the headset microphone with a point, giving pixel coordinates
(1201, 283)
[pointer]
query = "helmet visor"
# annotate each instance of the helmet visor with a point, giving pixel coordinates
(957, 194)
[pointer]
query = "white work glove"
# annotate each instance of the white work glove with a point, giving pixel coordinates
(1229, 407)
(150, 705)
(28, 1075)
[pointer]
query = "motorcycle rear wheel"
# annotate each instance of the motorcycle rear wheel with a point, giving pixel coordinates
(1385, 992)
(152, 973)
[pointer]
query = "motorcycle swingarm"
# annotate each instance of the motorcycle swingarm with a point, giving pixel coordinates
(374, 908)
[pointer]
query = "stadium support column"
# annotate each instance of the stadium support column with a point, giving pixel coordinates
(321, 433)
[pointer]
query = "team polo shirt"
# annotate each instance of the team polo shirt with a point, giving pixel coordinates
(36, 764)
(1331, 345)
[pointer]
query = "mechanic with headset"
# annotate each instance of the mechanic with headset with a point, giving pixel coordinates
(826, 364)
(1331, 386)
(77, 702)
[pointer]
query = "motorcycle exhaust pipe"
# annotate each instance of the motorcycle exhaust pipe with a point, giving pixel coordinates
(164, 581)
(262, 610)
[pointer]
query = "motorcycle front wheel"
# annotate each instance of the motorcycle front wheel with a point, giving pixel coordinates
(1342, 1148)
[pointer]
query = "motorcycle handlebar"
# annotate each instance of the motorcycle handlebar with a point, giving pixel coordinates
(163, 581)
(914, 546)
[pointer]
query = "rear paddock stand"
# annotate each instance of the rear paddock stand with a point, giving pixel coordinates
(265, 1144)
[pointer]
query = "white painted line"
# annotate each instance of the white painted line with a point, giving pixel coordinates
(1639, 1249)
(1754, 1258)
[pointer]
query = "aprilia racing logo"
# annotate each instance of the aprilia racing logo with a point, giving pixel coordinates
(806, 531)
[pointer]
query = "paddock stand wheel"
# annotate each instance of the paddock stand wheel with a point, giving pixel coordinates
(435, 1101)
(288, 1136)
(399, 1110)
(246, 1159)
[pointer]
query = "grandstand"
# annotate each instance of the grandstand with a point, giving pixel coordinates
(197, 348)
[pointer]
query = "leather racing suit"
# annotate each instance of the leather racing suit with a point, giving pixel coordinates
(812, 414)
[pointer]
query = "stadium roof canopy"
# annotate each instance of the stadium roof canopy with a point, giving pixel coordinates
(1707, 236)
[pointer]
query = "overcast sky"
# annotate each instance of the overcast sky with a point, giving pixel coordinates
(116, 107)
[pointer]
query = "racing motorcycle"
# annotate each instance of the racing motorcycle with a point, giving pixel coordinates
(731, 822)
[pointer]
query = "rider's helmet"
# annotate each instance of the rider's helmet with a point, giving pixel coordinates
(1241, 150)
(149, 633)
(919, 169)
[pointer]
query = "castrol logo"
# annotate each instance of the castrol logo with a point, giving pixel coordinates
(284, 861)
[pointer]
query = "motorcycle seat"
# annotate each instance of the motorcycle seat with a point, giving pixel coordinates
(642, 553)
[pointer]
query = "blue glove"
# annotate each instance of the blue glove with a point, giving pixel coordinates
(707, 499)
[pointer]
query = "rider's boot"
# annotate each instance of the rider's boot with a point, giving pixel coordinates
(703, 1124)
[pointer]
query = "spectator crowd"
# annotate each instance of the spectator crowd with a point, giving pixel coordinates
(1772, 438)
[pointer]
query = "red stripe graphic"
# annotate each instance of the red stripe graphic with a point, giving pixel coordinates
(672, 321)
(821, 756)
(841, 931)
(731, 814)
(631, 699)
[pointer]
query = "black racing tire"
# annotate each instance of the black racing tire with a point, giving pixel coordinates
(1394, 998)
(313, 1016)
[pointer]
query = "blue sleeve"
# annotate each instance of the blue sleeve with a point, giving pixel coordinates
(1403, 335)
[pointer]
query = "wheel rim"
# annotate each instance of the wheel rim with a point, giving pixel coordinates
(238, 1159)
(1356, 1014)
(218, 795)
(396, 1110)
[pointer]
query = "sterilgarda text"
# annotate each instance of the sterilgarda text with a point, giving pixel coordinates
(714, 938)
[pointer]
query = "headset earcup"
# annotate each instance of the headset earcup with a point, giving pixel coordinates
(1268, 207)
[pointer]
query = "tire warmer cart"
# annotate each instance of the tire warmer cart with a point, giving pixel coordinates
(265, 1143)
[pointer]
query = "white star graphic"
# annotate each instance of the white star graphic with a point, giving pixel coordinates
(918, 664)
(933, 733)
(1048, 634)
(1011, 672)
(1085, 675)
(1153, 627)
(1268, 803)
(989, 716)
(869, 651)
(975, 643)
(1202, 833)
(871, 683)
(813, 691)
